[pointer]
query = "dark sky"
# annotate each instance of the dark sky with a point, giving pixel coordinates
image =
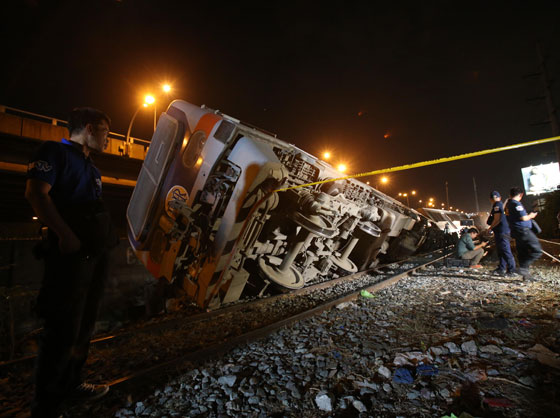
(442, 78)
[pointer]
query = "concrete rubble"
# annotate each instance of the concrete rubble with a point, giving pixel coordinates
(443, 341)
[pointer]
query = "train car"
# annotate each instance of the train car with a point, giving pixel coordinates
(447, 220)
(208, 212)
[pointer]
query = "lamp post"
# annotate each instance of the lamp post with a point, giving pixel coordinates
(411, 193)
(166, 88)
(148, 100)
(383, 180)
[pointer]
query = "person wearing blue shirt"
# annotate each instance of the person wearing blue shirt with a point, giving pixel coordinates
(500, 227)
(64, 189)
(520, 223)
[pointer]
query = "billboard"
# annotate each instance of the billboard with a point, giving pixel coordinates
(542, 178)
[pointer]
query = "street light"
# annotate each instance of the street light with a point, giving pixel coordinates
(326, 155)
(411, 193)
(407, 201)
(148, 100)
(383, 180)
(166, 88)
(342, 167)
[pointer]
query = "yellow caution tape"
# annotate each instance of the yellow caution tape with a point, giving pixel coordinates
(431, 162)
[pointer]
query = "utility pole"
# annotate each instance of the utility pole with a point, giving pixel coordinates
(447, 194)
(475, 195)
(547, 97)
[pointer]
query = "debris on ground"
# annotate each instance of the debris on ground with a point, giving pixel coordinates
(442, 343)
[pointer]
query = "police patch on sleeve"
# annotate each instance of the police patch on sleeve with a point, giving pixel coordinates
(40, 165)
(497, 208)
(519, 208)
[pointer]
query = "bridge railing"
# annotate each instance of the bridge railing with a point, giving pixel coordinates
(26, 124)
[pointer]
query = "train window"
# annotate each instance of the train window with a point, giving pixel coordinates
(163, 146)
(194, 148)
(224, 131)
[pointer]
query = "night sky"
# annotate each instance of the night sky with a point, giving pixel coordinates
(440, 78)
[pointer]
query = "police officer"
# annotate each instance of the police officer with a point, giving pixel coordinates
(500, 227)
(64, 189)
(527, 243)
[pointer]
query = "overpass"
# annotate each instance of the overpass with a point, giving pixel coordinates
(31, 127)
(22, 132)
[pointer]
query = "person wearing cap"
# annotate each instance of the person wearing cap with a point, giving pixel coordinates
(500, 227)
(520, 223)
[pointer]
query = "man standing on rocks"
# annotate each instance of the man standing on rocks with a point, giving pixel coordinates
(64, 189)
(466, 249)
(500, 227)
(520, 222)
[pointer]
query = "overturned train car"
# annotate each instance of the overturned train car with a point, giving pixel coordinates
(207, 215)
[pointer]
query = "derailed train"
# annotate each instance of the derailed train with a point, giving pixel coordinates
(207, 214)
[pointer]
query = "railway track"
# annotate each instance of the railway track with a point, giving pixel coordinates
(141, 382)
(136, 360)
(206, 316)
(266, 330)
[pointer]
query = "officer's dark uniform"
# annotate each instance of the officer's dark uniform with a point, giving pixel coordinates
(527, 243)
(73, 283)
(501, 237)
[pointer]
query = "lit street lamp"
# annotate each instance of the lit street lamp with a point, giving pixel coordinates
(166, 88)
(383, 180)
(412, 193)
(148, 100)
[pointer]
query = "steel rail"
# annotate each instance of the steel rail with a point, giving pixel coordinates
(206, 316)
(176, 365)
(550, 255)
(549, 242)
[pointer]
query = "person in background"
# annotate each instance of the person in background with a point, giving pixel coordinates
(500, 227)
(520, 223)
(64, 189)
(467, 250)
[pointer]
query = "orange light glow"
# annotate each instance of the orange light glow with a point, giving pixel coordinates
(149, 99)
(342, 168)
(166, 88)
(384, 179)
(326, 155)
(387, 135)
